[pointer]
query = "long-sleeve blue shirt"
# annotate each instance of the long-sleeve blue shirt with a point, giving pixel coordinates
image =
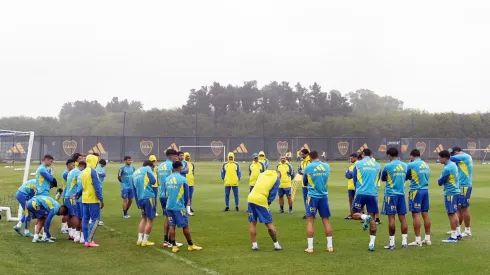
(50, 206)
(43, 180)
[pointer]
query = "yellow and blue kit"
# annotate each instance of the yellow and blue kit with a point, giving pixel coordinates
(262, 196)
(351, 188)
(42, 206)
(231, 174)
(125, 177)
(254, 170)
(449, 179)
(143, 179)
(418, 173)
(465, 171)
(190, 176)
(263, 159)
(163, 172)
(305, 162)
(287, 175)
(394, 174)
(366, 174)
(43, 180)
(177, 189)
(71, 190)
(316, 176)
(26, 192)
(64, 176)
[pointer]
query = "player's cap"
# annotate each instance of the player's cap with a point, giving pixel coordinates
(153, 158)
(255, 155)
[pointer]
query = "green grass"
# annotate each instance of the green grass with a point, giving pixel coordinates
(226, 243)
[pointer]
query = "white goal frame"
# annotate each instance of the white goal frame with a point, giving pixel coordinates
(27, 166)
(206, 146)
(486, 151)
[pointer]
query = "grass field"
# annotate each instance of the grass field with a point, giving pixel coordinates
(226, 243)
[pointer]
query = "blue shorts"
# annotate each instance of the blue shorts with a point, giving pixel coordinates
(80, 210)
(285, 191)
(163, 203)
(418, 201)
(371, 203)
(451, 203)
(319, 205)
(22, 199)
(36, 213)
(148, 208)
(351, 193)
(71, 204)
(177, 218)
(127, 194)
(464, 196)
(260, 213)
(394, 205)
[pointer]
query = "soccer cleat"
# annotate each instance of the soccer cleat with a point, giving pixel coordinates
(450, 240)
(466, 234)
(167, 244)
(148, 243)
(378, 221)
(309, 251)
(237, 209)
(226, 209)
(194, 248)
(36, 240)
(82, 240)
(192, 210)
(101, 223)
(278, 248)
(28, 234)
(290, 211)
(138, 243)
(390, 247)
(426, 242)
(281, 211)
(178, 244)
(371, 248)
(91, 244)
(459, 237)
(175, 249)
(365, 225)
(126, 216)
(348, 217)
(404, 246)
(255, 249)
(190, 213)
(17, 229)
(64, 231)
(330, 249)
(415, 243)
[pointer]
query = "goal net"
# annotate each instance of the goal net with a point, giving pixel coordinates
(479, 155)
(15, 158)
(205, 153)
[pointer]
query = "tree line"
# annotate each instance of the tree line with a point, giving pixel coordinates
(276, 109)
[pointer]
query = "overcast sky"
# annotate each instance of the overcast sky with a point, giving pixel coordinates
(433, 55)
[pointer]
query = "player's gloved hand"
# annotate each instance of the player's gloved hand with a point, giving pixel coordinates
(55, 182)
(101, 204)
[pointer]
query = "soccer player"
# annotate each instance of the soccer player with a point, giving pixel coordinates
(92, 200)
(190, 179)
(394, 174)
(44, 180)
(366, 174)
(177, 190)
(465, 171)
(165, 169)
(25, 192)
(287, 175)
(254, 170)
(449, 179)
(102, 174)
(70, 164)
(77, 157)
(71, 204)
(259, 200)
(324, 156)
(263, 159)
(231, 174)
(125, 177)
(351, 189)
(289, 156)
(305, 160)
(143, 179)
(418, 172)
(79, 237)
(185, 169)
(154, 160)
(44, 208)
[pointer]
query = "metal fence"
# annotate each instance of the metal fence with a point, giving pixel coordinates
(115, 148)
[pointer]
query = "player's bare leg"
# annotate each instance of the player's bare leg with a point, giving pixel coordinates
(290, 203)
(427, 224)
(130, 201)
(454, 223)
(141, 230)
(147, 231)
(253, 235)
(125, 206)
(281, 204)
(351, 200)
(171, 233)
(466, 218)
(310, 232)
(187, 234)
(391, 231)
(416, 230)
(37, 230)
(404, 229)
(271, 229)
(328, 232)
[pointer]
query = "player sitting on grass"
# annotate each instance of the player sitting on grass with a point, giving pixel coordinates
(125, 177)
(177, 190)
(394, 174)
(449, 179)
(254, 170)
(231, 174)
(143, 180)
(316, 177)
(259, 200)
(24, 194)
(287, 175)
(44, 180)
(44, 208)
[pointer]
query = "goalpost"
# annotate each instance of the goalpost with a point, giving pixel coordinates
(215, 150)
(478, 154)
(15, 157)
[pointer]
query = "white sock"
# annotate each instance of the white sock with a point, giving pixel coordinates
(454, 234)
(418, 239)
(467, 230)
(188, 209)
(44, 235)
(140, 237)
(19, 224)
(145, 237)
(64, 225)
(310, 243)
(427, 237)
(276, 245)
(26, 231)
(372, 239)
(392, 240)
(364, 217)
(458, 230)
(71, 231)
(77, 234)
(255, 245)
(404, 238)
(329, 242)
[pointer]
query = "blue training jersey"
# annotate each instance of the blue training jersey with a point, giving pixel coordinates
(465, 169)
(72, 183)
(143, 179)
(79, 187)
(43, 180)
(366, 174)
(316, 177)
(449, 178)
(125, 175)
(101, 172)
(394, 174)
(418, 173)
(177, 189)
(28, 188)
(49, 205)
(65, 176)
(163, 172)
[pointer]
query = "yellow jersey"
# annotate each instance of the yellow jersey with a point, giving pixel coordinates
(265, 189)
(287, 174)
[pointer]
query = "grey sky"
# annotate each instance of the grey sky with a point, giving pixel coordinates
(432, 55)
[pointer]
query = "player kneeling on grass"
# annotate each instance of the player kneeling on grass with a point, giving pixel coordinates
(177, 189)
(263, 194)
(143, 180)
(44, 208)
(316, 178)
(25, 192)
